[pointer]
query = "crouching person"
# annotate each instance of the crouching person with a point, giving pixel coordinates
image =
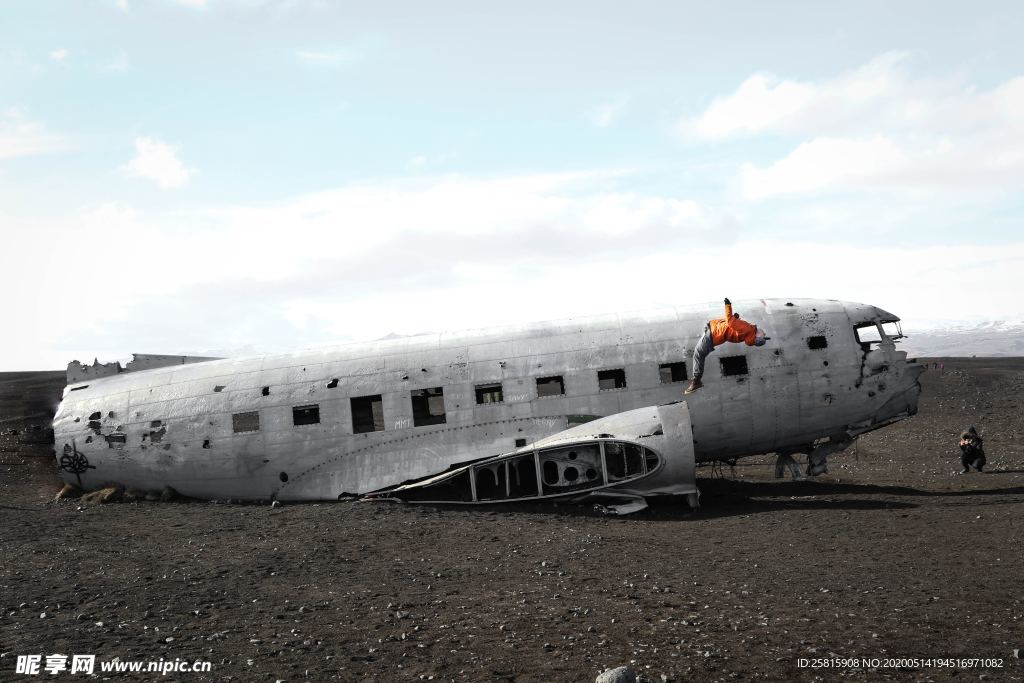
(972, 452)
(717, 332)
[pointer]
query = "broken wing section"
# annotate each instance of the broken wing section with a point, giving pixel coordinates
(648, 451)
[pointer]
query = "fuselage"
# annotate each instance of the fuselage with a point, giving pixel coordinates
(318, 424)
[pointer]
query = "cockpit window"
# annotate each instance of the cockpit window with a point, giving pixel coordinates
(867, 333)
(892, 329)
(872, 333)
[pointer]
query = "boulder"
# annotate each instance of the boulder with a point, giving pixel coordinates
(622, 674)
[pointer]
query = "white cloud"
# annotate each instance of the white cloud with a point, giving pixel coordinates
(979, 163)
(20, 137)
(121, 5)
(874, 127)
(59, 55)
(606, 113)
(454, 207)
(157, 161)
(764, 103)
(958, 278)
(195, 4)
(824, 162)
(441, 253)
(383, 254)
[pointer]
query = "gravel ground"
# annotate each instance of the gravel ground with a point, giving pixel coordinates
(891, 555)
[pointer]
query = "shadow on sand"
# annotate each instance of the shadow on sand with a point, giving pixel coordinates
(728, 498)
(727, 487)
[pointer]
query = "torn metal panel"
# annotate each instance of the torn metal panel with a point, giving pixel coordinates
(77, 372)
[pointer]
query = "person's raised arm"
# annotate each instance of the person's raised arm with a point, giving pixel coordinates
(728, 309)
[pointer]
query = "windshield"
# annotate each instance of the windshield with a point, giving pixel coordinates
(892, 329)
(867, 333)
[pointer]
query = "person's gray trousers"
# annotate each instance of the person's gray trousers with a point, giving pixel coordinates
(701, 351)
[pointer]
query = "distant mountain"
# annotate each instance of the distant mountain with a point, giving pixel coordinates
(996, 338)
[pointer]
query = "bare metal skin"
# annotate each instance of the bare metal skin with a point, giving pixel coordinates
(281, 427)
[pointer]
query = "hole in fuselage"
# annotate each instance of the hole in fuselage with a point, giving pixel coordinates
(734, 365)
(550, 472)
(817, 342)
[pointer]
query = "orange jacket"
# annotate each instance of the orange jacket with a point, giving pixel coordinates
(732, 329)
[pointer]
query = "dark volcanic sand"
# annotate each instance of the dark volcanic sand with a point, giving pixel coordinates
(891, 555)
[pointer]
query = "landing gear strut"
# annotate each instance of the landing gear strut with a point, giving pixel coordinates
(784, 461)
(817, 458)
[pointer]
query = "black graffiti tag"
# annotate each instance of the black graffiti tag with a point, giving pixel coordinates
(74, 462)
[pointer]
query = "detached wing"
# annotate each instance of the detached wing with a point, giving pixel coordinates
(647, 451)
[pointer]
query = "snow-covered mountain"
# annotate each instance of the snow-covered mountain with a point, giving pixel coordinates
(994, 338)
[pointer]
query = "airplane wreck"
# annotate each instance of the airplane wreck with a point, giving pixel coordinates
(589, 408)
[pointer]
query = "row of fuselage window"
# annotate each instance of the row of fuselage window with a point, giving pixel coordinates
(428, 404)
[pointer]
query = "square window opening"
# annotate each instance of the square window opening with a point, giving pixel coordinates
(892, 329)
(611, 379)
(367, 414)
(817, 342)
(428, 407)
(489, 393)
(306, 415)
(868, 334)
(550, 386)
(734, 365)
(672, 372)
(245, 422)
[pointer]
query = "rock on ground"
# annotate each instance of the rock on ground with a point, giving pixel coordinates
(622, 674)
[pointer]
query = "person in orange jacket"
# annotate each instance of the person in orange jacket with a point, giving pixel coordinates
(717, 332)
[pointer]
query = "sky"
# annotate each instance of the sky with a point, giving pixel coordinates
(229, 177)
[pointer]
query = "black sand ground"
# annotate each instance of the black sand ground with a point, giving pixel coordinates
(891, 555)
